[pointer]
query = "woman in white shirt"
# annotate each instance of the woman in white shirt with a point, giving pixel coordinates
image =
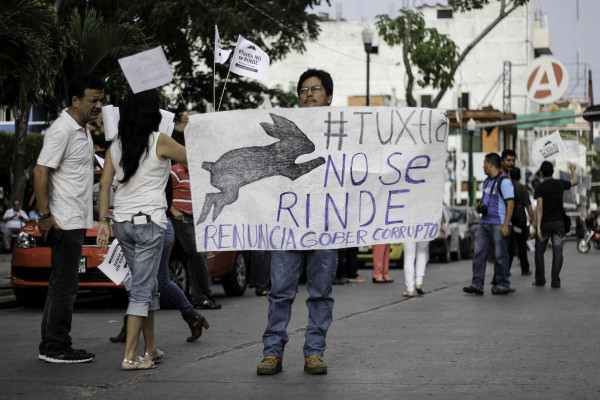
(140, 158)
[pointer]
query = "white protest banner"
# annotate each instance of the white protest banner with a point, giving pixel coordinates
(316, 178)
(110, 121)
(547, 148)
(166, 123)
(221, 55)
(114, 265)
(146, 70)
(249, 60)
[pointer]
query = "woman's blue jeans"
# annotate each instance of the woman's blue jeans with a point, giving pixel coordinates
(142, 245)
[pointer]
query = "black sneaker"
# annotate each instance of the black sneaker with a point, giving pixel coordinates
(497, 291)
(207, 304)
(70, 356)
(473, 290)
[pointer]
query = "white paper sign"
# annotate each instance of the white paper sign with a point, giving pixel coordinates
(249, 60)
(547, 148)
(316, 178)
(146, 70)
(166, 123)
(110, 121)
(114, 265)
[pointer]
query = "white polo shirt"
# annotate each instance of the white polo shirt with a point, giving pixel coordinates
(69, 150)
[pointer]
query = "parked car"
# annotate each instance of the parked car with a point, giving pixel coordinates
(467, 223)
(447, 248)
(365, 256)
(30, 267)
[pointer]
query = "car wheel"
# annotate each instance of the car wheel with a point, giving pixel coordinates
(31, 298)
(234, 283)
(179, 275)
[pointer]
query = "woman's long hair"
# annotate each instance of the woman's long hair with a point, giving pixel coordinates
(139, 117)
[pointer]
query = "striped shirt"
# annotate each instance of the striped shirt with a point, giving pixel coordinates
(182, 196)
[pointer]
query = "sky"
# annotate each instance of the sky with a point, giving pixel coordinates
(569, 38)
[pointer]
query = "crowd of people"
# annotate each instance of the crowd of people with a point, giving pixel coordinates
(146, 172)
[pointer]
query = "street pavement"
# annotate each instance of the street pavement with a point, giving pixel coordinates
(538, 343)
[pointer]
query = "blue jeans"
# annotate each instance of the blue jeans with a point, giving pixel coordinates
(489, 235)
(165, 286)
(286, 269)
(62, 290)
(556, 231)
(142, 246)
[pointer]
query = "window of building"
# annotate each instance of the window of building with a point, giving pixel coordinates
(444, 14)
(463, 102)
(425, 100)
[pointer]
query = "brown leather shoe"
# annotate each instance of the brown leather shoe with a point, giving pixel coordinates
(122, 336)
(270, 365)
(315, 365)
(196, 322)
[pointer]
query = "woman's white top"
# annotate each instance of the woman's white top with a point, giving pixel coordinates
(145, 190)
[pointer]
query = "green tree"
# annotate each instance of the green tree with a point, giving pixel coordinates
(27, 61)
(435, 55)
(185, 30)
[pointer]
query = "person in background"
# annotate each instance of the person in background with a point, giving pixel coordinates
(63, 180)
(520, 231)
(493, 229)
(140, 159)
(415, 262)
(260, 271)
(381, 263)
(183, 223)
(550, 222)
(14, 219)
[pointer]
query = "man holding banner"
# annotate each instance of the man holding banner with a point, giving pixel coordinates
(315, 89)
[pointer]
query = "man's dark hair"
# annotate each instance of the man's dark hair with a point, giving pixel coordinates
(494, 159)
(508, 152)
(322, 75)
(515, 174)
(80, 82)
(547, 169)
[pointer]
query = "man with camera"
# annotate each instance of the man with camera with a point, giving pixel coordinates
(496, 208)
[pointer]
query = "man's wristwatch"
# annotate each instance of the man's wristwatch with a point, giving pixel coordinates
(107, 218)
(44, 216)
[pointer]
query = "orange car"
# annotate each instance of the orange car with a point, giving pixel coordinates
(30, 267)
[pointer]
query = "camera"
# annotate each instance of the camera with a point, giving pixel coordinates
(482, 209)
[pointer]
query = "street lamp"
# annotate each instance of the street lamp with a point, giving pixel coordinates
(367, 38)
(471, 126)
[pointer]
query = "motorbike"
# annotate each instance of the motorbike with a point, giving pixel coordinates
(592, 238)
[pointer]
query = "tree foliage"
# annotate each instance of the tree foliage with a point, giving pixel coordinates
(185, 30)
(435, 55)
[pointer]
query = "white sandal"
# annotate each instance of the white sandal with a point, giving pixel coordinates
(155, 355)
(141, 363)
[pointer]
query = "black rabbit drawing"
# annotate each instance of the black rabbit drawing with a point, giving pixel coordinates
(243, 166)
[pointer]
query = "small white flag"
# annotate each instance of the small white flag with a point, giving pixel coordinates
(250, 61)
(221, 55)
(266, 105)
(110, 120)
(547, 148)
(114, 265)
(166, 123)
(146, 70)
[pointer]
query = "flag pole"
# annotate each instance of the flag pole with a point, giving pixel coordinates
(226, 79)
(181, 94)
(214, 84)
